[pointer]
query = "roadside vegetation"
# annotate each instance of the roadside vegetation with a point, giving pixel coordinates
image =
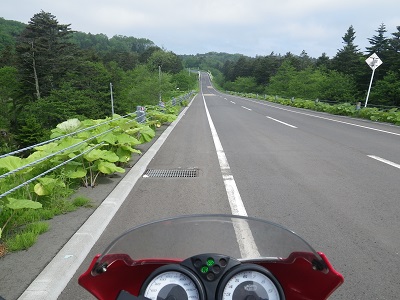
(391, 115)
(57, 84)
(78, 154)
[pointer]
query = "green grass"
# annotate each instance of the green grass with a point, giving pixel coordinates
(27, 216)
(81, 201)
(26, 237)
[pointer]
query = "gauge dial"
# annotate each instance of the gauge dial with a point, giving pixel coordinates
(171, 285)
(250, 284)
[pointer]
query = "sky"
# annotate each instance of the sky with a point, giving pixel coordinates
(251, 27)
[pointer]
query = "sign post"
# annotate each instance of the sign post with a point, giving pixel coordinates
(374, 62)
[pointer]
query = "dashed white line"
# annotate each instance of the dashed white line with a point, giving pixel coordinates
(385, 161)
(328, 119)
(292, 126)
(246, 108)
(233, 102)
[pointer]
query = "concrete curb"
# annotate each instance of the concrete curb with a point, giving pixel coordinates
(56, 275)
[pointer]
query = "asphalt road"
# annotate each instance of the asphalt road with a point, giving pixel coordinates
(333, 180)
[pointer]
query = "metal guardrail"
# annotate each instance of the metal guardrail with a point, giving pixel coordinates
(61, 137)
(140, 118)
(55, 153)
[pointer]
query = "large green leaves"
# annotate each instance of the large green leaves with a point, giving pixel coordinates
(97, 154)
(66, 127)
(126, 139)
(145, 133)
(11, 163)
(47, 185)
(74, 170)
(109, 168)
(22, 203)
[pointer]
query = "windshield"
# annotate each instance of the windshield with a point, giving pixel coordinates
(243, 238)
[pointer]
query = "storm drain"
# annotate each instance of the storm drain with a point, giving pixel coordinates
(174, 173)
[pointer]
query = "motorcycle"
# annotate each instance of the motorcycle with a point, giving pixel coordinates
(210, 257)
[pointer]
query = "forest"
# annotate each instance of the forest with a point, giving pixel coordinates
(50, 73)
(342, 78)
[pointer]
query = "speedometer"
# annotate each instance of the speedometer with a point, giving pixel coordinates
(250, 283)
(174, 283)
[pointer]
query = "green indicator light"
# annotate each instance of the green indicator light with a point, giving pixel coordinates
(210, 262)
(204, 269)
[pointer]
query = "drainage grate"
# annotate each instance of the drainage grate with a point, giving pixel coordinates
(181, 173)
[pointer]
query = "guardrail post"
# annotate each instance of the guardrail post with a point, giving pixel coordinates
(161, 104)
(140, 114)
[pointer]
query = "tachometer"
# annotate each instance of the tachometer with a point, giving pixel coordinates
(174, 283)
(250, 282)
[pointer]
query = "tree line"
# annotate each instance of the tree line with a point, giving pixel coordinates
(50, 73)
(342, 78)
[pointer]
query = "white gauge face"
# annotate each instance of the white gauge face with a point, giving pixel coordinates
(250, 283)
(172, 285)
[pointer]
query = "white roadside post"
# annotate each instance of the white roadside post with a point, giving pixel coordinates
(112, 102)
(373, 61)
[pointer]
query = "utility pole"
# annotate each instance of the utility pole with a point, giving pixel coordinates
(112, 102)
(159, 79)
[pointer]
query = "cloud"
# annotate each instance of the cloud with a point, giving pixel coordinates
(249, 27)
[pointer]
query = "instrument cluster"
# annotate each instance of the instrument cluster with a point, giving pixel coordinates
(212, 276)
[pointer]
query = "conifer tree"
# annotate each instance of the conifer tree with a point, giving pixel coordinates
(394, 51)
(379, 43)
(45, 54)
(349, 60)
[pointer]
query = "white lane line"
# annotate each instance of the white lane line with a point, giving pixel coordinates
(327, 119)
(281, 122)
(385, 161)
(246, 108)
(233, 102)
(244, 236)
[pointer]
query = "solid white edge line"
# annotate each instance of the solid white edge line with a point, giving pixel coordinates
(281, 122)
(235, 200)
(51, 282)
(385, 161)
(244, 236)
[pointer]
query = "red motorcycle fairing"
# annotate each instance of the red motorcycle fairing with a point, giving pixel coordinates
(299, 279)
(295, 269)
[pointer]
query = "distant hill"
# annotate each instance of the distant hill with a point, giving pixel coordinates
(9, 30)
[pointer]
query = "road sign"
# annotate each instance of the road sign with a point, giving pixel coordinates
(373, 61)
